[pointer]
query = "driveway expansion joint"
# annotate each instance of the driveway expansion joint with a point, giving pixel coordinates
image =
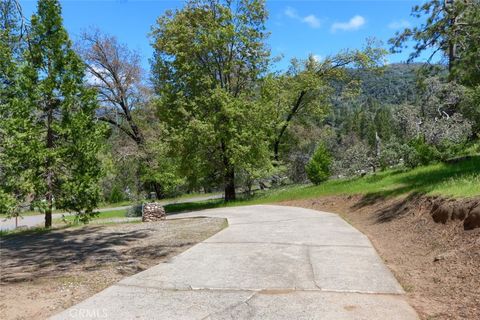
(260, 290)
(289, 244)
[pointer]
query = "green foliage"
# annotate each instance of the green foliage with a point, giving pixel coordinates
(217, 116)
(391, 153)
(160, 166)
(470, 108)
(50, 135)
(134, 211)
(13, 189)
(208, 57)
(318, 168)
(465, 35)
(420, 153)
(305, 93)
(116, 195)
(450, 27)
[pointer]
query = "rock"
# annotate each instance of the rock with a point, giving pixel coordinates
(442, 213)
(153, 212)
(443, 256)
(473, 219)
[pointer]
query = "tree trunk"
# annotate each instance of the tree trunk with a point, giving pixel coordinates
(291, 114)
(49, 175)
(229, 178)
(276, 147)
(452, 46)
(158, 190)
(230, 184)
(48, 217)
(49, 198)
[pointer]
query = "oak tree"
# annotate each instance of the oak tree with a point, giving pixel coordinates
(208, 57)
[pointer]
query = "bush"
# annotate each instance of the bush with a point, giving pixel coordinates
(391, 154)
(318, 168)
(116, 195)
(352, 160)
(135, 211)
(418, 152)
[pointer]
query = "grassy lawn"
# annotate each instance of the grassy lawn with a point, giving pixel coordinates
(457, 180)
(59, 224)
(102, 206)
(102, 215)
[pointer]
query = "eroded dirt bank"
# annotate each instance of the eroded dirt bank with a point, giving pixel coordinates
(438, 263)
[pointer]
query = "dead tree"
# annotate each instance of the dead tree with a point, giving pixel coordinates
(114, 70)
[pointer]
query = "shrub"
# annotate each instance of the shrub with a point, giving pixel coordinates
(135, 211)
(391, 154)
(116, 195)
(418, 152)
(318, 168)
(352, 160)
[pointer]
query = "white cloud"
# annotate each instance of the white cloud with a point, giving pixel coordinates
(401, 24)
(353, 24)
(317, 57)
(311, 19)
(291, 13)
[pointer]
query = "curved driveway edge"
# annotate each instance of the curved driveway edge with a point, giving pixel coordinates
(272, 262)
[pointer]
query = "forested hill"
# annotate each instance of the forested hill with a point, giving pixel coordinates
(395, 85)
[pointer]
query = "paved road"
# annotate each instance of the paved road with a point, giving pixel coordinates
(271, 262)
(36, 220)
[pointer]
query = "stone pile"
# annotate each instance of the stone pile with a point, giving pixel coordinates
(153, 212)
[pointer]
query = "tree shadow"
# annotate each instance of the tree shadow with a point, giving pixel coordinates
(397, 209)
(176, 208)
(29, 256)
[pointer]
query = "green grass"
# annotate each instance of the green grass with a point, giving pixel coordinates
(458, 180)
(191, 195)
(59, 224)
(102, 215)
(116, 204)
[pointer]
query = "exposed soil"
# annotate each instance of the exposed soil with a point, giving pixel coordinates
(438, 264)
(43, 274)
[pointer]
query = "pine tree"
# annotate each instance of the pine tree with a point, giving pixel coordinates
(12, 190)
(51, 133)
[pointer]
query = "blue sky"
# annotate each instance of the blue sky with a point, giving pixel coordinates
(298, 28)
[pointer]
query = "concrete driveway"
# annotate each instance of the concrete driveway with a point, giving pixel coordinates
(272, 262)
